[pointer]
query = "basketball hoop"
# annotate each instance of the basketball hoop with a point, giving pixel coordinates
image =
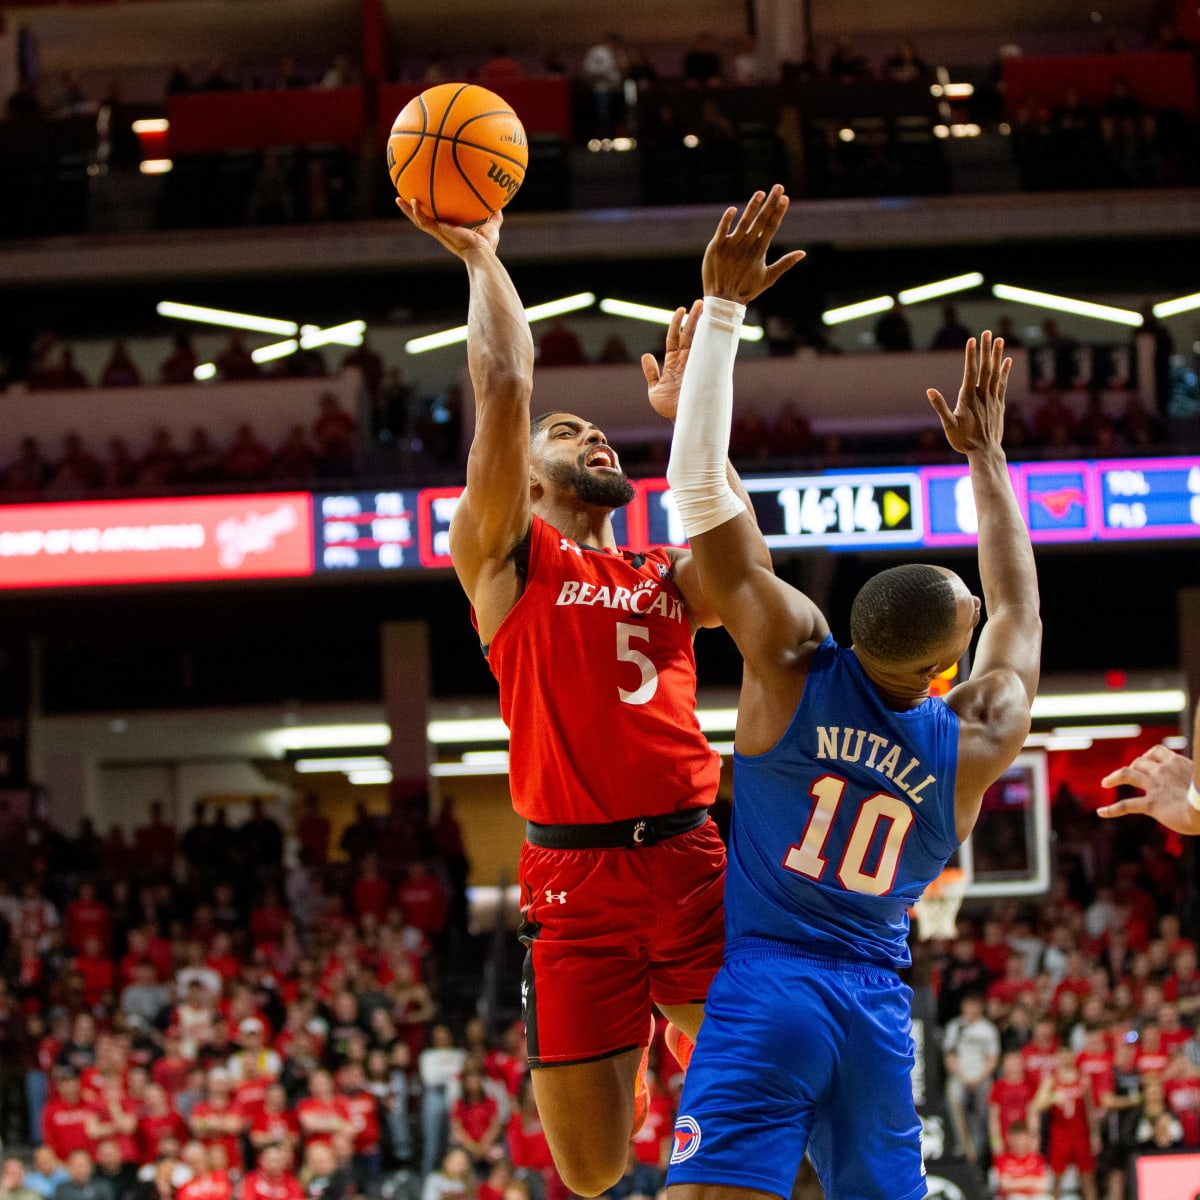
(937, 909)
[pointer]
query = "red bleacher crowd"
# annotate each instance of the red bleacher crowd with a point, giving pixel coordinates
(182, 1017)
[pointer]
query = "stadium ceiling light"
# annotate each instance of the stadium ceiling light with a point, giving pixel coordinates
(1099, 732)
(151, 125)
(864, 308)
(205, 371)
(493, 757)
(349, 333)
(231, 320)
(1068, 743)
(663, 316)
(942, 287)
(275, 350)
(155, 166)
(538, 312)
(1169, 308)
(328, 737)
(468, 729)
(365, 778)
(463, 770)
(1109, 704)
(321, 766)
(1065, 304)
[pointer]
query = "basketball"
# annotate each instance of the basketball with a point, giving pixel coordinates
(459, 151)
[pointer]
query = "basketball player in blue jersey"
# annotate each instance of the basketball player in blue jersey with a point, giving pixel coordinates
(852, 787)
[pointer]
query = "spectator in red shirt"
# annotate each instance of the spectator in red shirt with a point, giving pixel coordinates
(1014, 986)
(422, 900)
(363, 1108)
(1181, 1084)
(1022, 1173)
(268, 918)
(158, 1120)
(475, 1122)
(212, 1181)
(157, 839)
(67, 1116)
(271, 1179)
(528, 1150)
(216, 1121)
(323, 1113)
(247, 457)
(1064, 1094)
(1174, 1031)
(274, 1123)
(370, 893)
(97, 971)
(88, 917)
(170, 1072)
(1041, 1053)
(1152, 1056)
(1009, 1101)
(1183, 985)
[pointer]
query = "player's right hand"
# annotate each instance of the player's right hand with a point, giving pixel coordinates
(977, 421)
(1164, 778)
(735, 261)
(458, 239)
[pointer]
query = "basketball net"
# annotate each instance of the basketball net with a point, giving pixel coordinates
(937, 909)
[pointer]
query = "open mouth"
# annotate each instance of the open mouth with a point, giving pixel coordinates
(601, 456)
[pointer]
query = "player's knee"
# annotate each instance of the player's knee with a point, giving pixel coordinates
(592, 1175)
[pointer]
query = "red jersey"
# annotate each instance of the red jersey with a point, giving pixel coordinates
(64, 1127)
(527, 1145)
(281, 1126)
(1021, 1175)
(1097, 1069)
(1152, 1062)
(475, 1117)
(214, 1185)
(1183, 1097)
(1013, 1100)
(597, 653)
(203, 1115)
(320, 1119)
(1069, 1107)
(1039, 1060)
(152, 1130)
(258, 1185)
(364, 1120)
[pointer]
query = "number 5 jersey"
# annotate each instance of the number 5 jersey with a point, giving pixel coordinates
(598, 688)
(839, 828)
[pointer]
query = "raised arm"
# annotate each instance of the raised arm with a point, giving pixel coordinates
(1170, 786)
(994, 705)
(494, 513)
(767, 618)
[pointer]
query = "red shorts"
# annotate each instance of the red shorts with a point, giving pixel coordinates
(612, 931)
(1069, 1143)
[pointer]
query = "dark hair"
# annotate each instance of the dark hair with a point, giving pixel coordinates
(904, 614)
(536, 423)
(1017, 1127)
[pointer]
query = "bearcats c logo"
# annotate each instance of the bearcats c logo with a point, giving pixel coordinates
(687, 1139)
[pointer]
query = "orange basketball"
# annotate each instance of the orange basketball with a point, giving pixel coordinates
(460, 151)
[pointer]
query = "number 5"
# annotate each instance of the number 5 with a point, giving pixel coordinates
(626, 653)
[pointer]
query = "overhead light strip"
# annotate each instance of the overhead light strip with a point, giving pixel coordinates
(230, 320)
(1109, 704)
(1066, 304)
(1181, 304)
(864, 308)
(663, 316)
(537, 312)
(941, 287)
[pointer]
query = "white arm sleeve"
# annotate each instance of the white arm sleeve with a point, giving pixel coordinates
(700, 444)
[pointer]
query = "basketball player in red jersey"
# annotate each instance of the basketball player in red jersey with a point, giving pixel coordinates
(622, 873)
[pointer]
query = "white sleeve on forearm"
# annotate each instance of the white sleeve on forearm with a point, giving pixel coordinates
(700, 444)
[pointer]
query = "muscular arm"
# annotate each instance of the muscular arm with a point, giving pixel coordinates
(493, 514)
(770, 621)
(994, 705)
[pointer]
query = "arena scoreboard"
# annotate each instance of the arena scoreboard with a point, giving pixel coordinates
(294, 535)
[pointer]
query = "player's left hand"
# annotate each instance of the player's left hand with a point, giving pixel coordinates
(735, 261)
(1164, 778)
(977, 420)
(458, 239)
(662, 385)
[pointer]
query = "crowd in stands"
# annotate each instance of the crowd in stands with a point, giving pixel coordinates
(186, 1015)
(235, 1011)
(1069, 1030)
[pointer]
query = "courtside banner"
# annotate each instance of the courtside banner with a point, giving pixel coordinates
(191, 538)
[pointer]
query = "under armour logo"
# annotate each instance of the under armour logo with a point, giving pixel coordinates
(567, 544)
(555, 897)
(639, 833)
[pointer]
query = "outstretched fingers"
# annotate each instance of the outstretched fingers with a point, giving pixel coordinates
(938, 401)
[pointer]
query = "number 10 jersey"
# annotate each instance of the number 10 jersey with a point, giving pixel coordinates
(839, 827)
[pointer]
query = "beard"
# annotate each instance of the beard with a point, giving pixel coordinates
(603, 491)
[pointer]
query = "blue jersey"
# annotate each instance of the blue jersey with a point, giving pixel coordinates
(838, 828)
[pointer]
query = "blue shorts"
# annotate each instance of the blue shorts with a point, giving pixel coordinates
(799, 1052)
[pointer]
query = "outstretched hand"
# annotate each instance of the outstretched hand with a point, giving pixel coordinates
(1164, 778)
(458, 239)
(735, 261)
(977, 421)
(662, 386)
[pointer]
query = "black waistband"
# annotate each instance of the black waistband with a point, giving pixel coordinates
(632, 835)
